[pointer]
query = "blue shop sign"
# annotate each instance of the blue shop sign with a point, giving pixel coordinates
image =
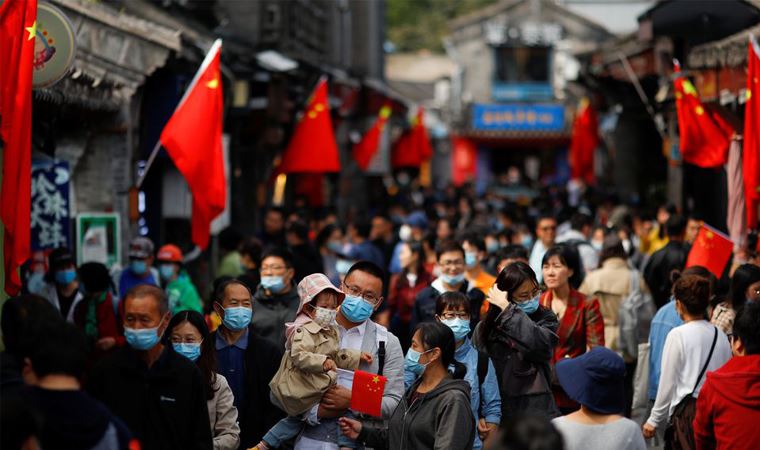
(518, 117)
(50, 221)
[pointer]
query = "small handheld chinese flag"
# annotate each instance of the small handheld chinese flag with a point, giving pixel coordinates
(711, 250)
(193, 139)
(367, 393)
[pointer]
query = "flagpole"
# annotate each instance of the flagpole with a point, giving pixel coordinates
(206, 61)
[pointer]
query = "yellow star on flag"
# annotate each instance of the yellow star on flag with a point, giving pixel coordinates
(32, 31)
(375, 379)
(319, 107)
(699, 110)
(385, 112)
(749, 93)
(709, 235)
(213, 84)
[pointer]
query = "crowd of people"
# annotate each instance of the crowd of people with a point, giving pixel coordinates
(557, 323)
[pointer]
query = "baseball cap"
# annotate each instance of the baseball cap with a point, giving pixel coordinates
(141, 248)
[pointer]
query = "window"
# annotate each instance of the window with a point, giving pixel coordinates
(522, 64)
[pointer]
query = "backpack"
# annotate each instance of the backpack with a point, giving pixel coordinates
(636, 313)
(482, 367)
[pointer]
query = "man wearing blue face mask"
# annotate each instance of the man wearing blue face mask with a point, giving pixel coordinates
(451, 260)
(276, 300)
(157, 392)
(363, 286)
(62, 288)
(246, 359)
(140, 270)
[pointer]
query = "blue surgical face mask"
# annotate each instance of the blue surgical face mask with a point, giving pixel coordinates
(342, 266)
(166, 271)
(492, 246)
(460, 327)
(412, 362)
(452, 280)
(530, 306)
(64, 277)
(274, 283)
(527, 241)
(138, 267)
(335, 246)
(236, 318)
(356, 309)
(35, 283)
(144, 338)
(471, 259)
(191, 351)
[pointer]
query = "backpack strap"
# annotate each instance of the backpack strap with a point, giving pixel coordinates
(709, 357)
(482, 367)
(380, 357)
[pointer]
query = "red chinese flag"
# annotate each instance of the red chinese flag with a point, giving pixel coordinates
(367, 393)
(413, 148)
(313, 148)
(711, 250)
(751, 155)
(193, 139)
(464, 160)
(704, 135)
(585, 139)
(367, 147)
(18, 29)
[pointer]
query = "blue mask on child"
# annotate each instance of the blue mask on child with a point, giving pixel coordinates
(356, 309)
(460, 327)
(64, 277)
(191, 351)
(530, 306)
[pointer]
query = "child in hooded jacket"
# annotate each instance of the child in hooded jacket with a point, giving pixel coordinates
(312, 357)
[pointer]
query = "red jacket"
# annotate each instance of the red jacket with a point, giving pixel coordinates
(728, 406)
(581, 327)
(401, 296)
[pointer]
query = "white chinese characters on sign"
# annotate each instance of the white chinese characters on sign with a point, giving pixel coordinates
(50, 206)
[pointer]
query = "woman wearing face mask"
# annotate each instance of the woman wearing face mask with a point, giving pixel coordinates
(312, 357)
(519, 336)
(581, 325)
(453, 310)
(330, 244)
(187, 332)
(745, 286)
(435, 412)
(62, 289)
(404, 288)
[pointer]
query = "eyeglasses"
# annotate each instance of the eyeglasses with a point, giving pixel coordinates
(452, 263)
(355, 291)
(548, 228)
(456, 315)
(272, 268)
(522, 298)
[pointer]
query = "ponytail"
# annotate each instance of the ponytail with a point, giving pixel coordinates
(436, 334)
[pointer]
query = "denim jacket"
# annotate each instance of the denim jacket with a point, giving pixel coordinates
(485, 400)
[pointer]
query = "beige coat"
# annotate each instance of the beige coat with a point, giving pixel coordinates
(610, 285)
(222, 415)
(301, 379)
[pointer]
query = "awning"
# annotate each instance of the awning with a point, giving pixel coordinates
(728, 52)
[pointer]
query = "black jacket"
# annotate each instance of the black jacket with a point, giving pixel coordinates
(257, 414)
(661, 264)
(441, 418)
(164, 406)
(424, 305)
(521, 347)
(270, 314)
(306, 261)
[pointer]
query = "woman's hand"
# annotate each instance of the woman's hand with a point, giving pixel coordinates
(350, 427)
(648, 431)
(497, 298)
(485, 429)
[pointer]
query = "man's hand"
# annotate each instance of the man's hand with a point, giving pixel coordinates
(350, 427)
(105, 343)
(329, 365)
(648, 431)
(337, 398)
(485, 429)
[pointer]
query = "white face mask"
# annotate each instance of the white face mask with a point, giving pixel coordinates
(405, 233)
(324, 317)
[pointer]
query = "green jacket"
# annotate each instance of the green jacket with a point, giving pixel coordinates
(182, 295)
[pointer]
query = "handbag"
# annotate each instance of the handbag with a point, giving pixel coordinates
(679, 435)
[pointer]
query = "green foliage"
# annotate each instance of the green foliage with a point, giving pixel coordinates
(421, 24)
